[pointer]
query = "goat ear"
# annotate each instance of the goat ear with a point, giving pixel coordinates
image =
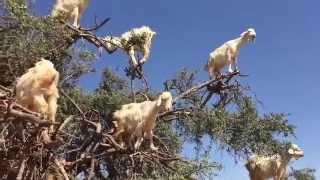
(244, 33)
(159, 101)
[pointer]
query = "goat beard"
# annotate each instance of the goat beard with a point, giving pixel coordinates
(253, 40)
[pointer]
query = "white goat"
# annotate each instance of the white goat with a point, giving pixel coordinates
(37, 89)
(138, 119)
(134, 41)
(263, 167)
(227, 53)
(71, 10)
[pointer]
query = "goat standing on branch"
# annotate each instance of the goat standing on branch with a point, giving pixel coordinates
(37, 89)
(227, 53)
(134, 41)
(263, 167)
(71, 10)
(137, 120)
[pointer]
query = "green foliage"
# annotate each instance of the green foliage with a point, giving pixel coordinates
(105, 100)
(169, 137)
(237, 126)
(111, 82)
(17, 8)
(25, 39)
(302, 174)
(102, 101)
(135, 39)
(202, 169)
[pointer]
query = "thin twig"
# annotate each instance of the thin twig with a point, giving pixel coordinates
(21, 170)
(97, 26)
(91, 173)
(65, 122)
(29, 117)
(113, 142)
(6, 89)
(207, 99)
(92, 38)
(61, 168)
(205, 84)
(72, 101)
(132, 90)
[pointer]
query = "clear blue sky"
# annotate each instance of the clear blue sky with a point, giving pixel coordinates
(283, 63)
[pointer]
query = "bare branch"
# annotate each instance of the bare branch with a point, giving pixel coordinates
(91, 37)
(65, 122)
(97, 26)
(91, 173)
(61, 168)
(6, 89)
(21, 170)
(205, 84)
(28, 117)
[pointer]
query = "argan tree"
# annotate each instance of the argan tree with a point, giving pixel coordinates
(82, 144)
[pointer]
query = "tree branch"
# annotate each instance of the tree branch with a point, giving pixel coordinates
(97, 26)
(91, 37)
(28, 117)
(61, 168)
(205, 84)
(21, 170)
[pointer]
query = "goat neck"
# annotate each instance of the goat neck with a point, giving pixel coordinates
(285, 158)
(240, 42)
(153, 115)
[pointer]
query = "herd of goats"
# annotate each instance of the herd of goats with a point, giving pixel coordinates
(37, 90)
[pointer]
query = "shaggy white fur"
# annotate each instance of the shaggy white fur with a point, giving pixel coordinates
(262, 167)
(227, 53)
(137, 120)
(37, 89)
(132, 42)
(72, 10)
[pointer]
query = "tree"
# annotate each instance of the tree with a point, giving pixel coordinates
(82, 143)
